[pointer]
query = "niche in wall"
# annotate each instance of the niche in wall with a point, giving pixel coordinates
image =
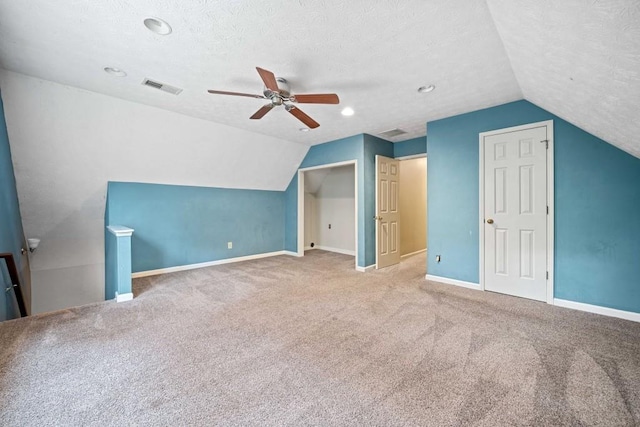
(329, 209)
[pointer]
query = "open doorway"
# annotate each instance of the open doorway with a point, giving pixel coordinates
(401, 208)
(413, 206)
(328, 209)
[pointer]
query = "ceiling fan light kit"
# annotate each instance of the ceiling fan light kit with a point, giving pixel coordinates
(278, 92)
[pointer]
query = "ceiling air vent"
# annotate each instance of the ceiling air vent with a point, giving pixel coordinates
(163, 87)
(392, 133)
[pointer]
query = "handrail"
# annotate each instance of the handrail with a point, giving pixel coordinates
(15, 281)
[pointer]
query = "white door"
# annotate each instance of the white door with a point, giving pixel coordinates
(387, 212)
(515, 212)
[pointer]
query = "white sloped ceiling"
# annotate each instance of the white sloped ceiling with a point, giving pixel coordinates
(579, 60)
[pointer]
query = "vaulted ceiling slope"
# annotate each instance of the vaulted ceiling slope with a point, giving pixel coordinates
(578, 59)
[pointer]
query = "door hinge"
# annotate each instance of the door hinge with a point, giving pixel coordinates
(546, 143)
(547, 210)
(547, 275)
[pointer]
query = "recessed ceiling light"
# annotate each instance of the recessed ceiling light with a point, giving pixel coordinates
(425, 89)
(304, 129)
(115, 71)
(348, 111)
(157, 26)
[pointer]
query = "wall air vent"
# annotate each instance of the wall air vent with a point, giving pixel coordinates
(392, 133)
(163, 87)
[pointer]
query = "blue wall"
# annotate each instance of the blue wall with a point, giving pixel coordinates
(362, 148)
(597, 200)
(11, 234)
(181, 225)
(410, 147)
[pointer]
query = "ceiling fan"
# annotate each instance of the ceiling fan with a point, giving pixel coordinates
(277, 92)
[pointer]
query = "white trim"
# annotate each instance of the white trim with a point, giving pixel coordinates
(208, 264)
(605, 311)
(375, 209)
(550, 199)
(309, 248)
(290, 253)
(413, 253)
(120, 230)
(301, 171)
(328, 165)
(412, 156)
(448, 281)
(365, 269)
(336, 250)
(124, 297)
(551, 217)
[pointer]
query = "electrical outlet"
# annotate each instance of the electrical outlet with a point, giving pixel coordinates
(329, 226)
(437, 258)
(229, 245)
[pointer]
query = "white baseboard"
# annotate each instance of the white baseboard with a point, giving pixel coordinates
(597, 309)
(336, 250)
(309, 248)
(365, 269)
(124, 297)
(413, 253)
(291, 253)
(208, 264)
(448, 281)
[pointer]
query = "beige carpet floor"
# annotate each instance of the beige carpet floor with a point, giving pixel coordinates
(293, 342)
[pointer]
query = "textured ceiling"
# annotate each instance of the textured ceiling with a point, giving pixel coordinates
(578, 59)
(374, 54)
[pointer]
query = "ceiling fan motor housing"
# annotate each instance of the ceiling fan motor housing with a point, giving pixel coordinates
(283, 89)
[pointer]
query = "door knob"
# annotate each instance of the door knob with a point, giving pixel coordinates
(377, 217)
(489, 221)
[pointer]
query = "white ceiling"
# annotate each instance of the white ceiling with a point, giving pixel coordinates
(578, 59)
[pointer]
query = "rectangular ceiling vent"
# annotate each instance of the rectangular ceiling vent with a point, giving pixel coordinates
(163, 87)
(392, 133)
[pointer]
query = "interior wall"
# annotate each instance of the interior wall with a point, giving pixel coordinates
(597, 232)
(67, 144)
(335, 206)
(182, 225)
(413, 205)
(310, 221)
(11, 234)
(410, 147)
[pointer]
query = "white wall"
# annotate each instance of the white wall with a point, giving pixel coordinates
(310, 218)
(413, 205)
(335, 205)
(66, 143)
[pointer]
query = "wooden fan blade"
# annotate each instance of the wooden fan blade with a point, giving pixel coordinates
(261, 112)
(317, 98)
(223, 92)
(269, 79)
(300, 115)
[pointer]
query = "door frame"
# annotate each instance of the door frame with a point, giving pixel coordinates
(301, 171)
(550, 199)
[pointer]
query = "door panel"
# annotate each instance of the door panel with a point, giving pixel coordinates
(387, 212)
(515, 201)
